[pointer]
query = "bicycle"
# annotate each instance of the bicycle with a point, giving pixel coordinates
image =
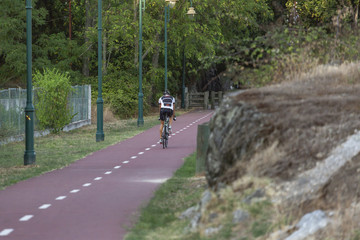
(165, 133)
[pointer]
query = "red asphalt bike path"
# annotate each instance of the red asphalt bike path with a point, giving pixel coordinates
(97, 197)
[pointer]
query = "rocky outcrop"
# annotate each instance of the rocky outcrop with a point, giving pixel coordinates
(287, 150)
(238, 130)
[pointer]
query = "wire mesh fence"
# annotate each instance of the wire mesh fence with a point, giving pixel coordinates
(13, 103)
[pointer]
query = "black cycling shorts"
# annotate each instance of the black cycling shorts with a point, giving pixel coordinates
(164, 112)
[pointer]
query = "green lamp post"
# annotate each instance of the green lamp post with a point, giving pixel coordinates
(169, 4)
(29, 155)
(100, 136)
(191, 13)
(140, 121)
(183, 81)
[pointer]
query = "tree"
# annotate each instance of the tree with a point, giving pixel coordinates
(13, 41)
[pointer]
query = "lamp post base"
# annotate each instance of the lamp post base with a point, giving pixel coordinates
(29, 157)
(140, 122)
(100, 137)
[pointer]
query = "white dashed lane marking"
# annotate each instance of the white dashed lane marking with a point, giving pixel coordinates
(60, 198)
(26, 218)
(6, 232)
(45, 206)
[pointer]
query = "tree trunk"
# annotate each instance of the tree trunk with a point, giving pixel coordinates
(356, 14)
(155, 58)
(86, 60)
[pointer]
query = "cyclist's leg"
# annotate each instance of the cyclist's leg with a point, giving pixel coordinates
(171, 117)
(161, 128)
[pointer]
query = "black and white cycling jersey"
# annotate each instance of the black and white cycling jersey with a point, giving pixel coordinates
(167, 101)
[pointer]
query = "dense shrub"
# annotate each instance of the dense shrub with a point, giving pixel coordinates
(121, 90)
(53, 91)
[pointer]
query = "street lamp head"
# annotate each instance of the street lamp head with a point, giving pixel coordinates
(191, 12)
(171, 3)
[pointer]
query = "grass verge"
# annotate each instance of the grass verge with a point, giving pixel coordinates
(57, 151)
(159, 219)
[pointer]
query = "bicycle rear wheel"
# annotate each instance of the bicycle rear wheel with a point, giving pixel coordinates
(166, 142)
(165, 136)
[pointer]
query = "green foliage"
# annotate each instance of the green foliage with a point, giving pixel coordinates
(256, 41)
(121, 91)
(312, 11)
(56, 51)
(13, 39)
(53, 91)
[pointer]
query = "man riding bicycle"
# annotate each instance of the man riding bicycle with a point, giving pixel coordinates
(166, 107)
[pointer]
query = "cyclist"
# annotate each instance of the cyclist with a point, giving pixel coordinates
(166, 107)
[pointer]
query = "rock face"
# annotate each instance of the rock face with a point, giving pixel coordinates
(290, 149)
(238, 130)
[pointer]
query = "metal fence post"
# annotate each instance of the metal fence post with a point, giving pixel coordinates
(203, 135)
(212, 100)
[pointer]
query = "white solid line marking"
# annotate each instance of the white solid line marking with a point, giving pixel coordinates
(141, 153)
(147, 149)
(97, 178)
(60, 198)
(6, 232)
(133, 157)
(117, 167)
(87, 185)
(125, 162)
(108, 172)
(44, 206)
(75, 191)
(26, 218)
